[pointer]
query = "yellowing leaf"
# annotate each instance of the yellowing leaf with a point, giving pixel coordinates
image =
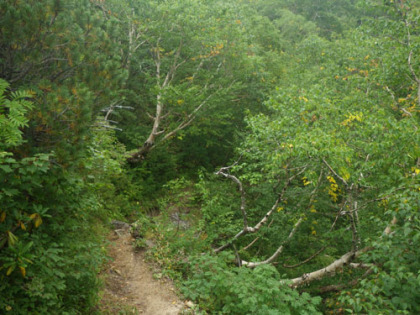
(10, 270)
(331, 179)
(33, 215)
(22, 225)
(11, 239)
(38, 221)
(2, 216)
(23, 271)
(345, 173)
(280, 209)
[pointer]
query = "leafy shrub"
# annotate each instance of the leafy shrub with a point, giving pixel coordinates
(49, 236)
(394, 287)
(221, 289)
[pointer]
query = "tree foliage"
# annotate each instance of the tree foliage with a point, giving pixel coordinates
(307, 112)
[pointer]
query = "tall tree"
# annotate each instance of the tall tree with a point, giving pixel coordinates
(338, 154)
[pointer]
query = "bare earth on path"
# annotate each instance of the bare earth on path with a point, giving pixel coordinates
(130, 286)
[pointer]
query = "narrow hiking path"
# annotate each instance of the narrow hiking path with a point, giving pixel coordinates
(130, 287)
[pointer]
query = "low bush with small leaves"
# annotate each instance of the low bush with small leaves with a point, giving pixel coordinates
(220, 288)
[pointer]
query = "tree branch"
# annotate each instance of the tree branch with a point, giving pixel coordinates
(222, 172)
(277, 252)
(326, 271)
(257, 227)
(334, 172)
(329, 270)
(339, 287)
(292, 233)
(306, 260)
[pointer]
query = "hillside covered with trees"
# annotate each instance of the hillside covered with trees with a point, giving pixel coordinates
(269, 148)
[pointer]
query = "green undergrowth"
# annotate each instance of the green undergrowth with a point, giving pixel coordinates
(53, 216)
(182, 234)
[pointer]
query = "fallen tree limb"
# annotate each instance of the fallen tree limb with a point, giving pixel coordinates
(326, 271)
(306, 260)
(257, 227)
(346, 259)
(292, 233)
(276, 253)
(339, 287)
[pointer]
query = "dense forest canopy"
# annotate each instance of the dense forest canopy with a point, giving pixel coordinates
(282, 134)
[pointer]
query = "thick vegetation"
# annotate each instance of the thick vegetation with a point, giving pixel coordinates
(278, 142)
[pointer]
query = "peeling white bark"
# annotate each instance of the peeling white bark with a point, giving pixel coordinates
(257, 227)
(327, 271)
(344, 260)
(276, 253)
(150, 143)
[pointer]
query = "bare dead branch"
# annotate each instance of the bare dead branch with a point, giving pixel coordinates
(257, 238)
(326, 271)
(306, 260)
(360, 265)
(157, 133)
(252, 243)
(190, 118)
(295, 227)
(171, 73)
(223, 247)
(277, 252)
(242, 192)
(392, 95)
(110, 127)
(339, 287)
(257, 227)
(406, 112)
(200, 65)
(150, 116)
(329, 270)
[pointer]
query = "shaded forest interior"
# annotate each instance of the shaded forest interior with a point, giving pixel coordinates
(269, 149)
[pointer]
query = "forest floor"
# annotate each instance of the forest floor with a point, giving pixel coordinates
(130, 287)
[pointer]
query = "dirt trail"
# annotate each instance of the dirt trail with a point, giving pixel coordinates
(130, 285)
